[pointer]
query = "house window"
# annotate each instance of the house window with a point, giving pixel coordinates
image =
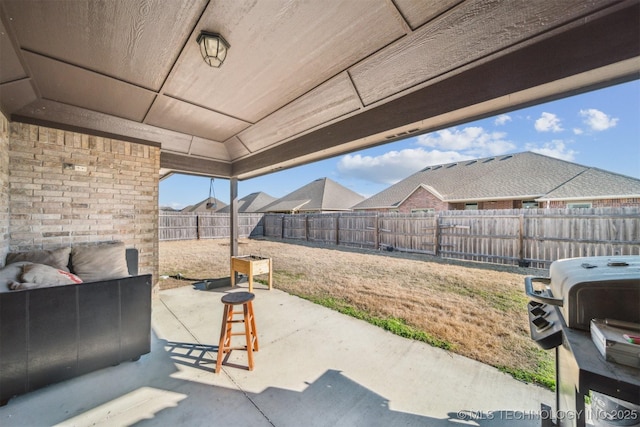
(529, 204)
(582, 205)
(470, 206)
(425, 210)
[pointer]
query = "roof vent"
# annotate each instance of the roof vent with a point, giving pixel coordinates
(437, 167)
(426, 169)
(471, 162)
(452, 165)
(489, 159)
(506, 158)
(410, 131)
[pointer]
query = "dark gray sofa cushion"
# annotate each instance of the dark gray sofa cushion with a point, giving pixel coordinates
(102, 261)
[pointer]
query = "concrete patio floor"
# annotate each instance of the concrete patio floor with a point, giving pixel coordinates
(315, 367)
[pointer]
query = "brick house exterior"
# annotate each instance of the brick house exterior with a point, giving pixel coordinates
(59, 188)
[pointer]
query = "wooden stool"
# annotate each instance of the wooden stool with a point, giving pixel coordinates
(230, 300)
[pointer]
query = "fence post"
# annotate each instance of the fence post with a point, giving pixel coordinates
(282, 228)
(306, 227)
(521, 261)
(436, 247)
(197, 227)
(376, 230)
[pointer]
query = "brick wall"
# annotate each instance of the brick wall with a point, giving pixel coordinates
(4, 188)
(500, 204)
(422, 199)
(67, 188)
(604, 203)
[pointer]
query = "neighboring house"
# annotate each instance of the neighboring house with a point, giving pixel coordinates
(514, 181)
(254, 202)
(210, 204)
(321, 195)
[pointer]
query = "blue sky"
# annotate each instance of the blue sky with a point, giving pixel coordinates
(598, 129)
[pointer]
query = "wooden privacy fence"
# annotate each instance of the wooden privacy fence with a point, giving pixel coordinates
(198, 225)
(525, 237)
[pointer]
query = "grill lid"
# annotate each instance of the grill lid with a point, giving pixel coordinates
(568, 273)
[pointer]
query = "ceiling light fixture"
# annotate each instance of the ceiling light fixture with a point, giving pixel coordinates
(213, 48)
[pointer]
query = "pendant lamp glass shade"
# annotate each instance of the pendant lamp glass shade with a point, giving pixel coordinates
(213, 48)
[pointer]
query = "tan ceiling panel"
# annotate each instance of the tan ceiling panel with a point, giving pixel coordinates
(280, 49)
(236, 148)
(210, 149)
(135, 40)
(464, 34)
(188, 118)
(16, 95)
(418, 13)
(177, 146)
(329, 101)
(10, 67)
(65, 83)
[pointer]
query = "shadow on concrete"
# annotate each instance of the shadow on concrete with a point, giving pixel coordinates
(197, 355)
(212, 284)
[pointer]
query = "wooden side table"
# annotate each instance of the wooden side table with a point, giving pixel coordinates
(251, 265)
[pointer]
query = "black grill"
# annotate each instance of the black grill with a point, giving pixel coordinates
(591, 387)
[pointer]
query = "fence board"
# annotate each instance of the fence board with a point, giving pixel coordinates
(195, 225)
(358, 230)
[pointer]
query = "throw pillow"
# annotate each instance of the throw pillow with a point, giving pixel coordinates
(45, 275)
(57, 258)
(103, 261)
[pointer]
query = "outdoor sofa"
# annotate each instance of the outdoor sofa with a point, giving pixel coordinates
(54, 333)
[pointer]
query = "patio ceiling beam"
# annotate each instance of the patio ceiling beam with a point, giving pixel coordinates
(194, 166)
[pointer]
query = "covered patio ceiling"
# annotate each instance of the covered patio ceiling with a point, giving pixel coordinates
(303, 80)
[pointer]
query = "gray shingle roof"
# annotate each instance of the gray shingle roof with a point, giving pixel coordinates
(322, 194)
(202, 206)
(254, 202)
(515, 176)
(596, 184)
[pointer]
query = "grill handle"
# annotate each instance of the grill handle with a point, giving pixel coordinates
(538, 296)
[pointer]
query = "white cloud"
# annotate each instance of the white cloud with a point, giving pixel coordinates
(502, 119)
(447, 146)
(474, 141)
(173, 205)
(577, 131)
(548, 122)
(394, 166)
(556, 148)
(597, 120)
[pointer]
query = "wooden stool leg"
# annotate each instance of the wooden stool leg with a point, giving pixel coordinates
(224, 332)
(252, 323)
(248, 335)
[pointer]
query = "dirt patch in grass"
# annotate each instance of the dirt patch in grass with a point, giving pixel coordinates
(477, 310)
